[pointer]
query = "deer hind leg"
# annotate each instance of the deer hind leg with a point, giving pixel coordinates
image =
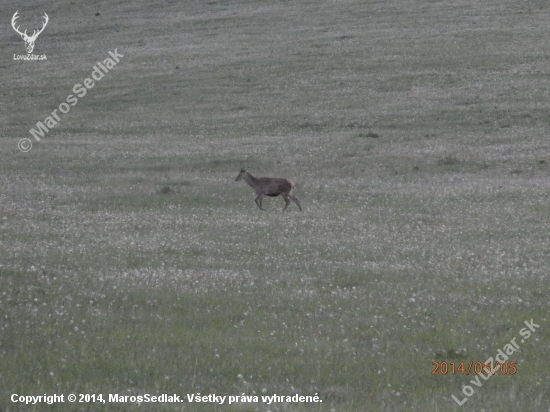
(286, 201)
(258, 201)
(295, 201)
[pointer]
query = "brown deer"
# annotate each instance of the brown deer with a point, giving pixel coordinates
(269, 186)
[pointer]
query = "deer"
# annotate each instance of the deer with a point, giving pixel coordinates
(269, 186)
(29, 40)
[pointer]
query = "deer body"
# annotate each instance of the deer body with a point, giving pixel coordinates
(269, 186)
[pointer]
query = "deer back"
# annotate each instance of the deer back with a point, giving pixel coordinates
(274, 187)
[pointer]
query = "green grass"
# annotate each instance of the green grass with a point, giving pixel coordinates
(131, 262)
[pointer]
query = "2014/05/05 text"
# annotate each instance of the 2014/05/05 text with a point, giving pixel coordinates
(443, 368)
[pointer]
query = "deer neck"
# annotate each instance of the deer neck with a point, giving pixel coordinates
(251, 180)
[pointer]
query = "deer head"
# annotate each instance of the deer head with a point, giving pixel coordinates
(29, 40)
(241, 174)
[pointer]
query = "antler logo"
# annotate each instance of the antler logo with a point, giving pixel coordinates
(29, 40)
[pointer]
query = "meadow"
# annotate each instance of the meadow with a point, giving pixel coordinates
(132, 263)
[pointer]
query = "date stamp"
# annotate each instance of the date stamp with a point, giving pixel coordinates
(465, 368)
(490, 367)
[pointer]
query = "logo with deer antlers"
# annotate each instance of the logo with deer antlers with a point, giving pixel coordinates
(29, 40)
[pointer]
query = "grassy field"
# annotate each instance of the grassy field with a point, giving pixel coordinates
(132, 263)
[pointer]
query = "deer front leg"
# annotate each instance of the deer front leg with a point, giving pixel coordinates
(286, 201)
(259, 201)
(296, 201)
